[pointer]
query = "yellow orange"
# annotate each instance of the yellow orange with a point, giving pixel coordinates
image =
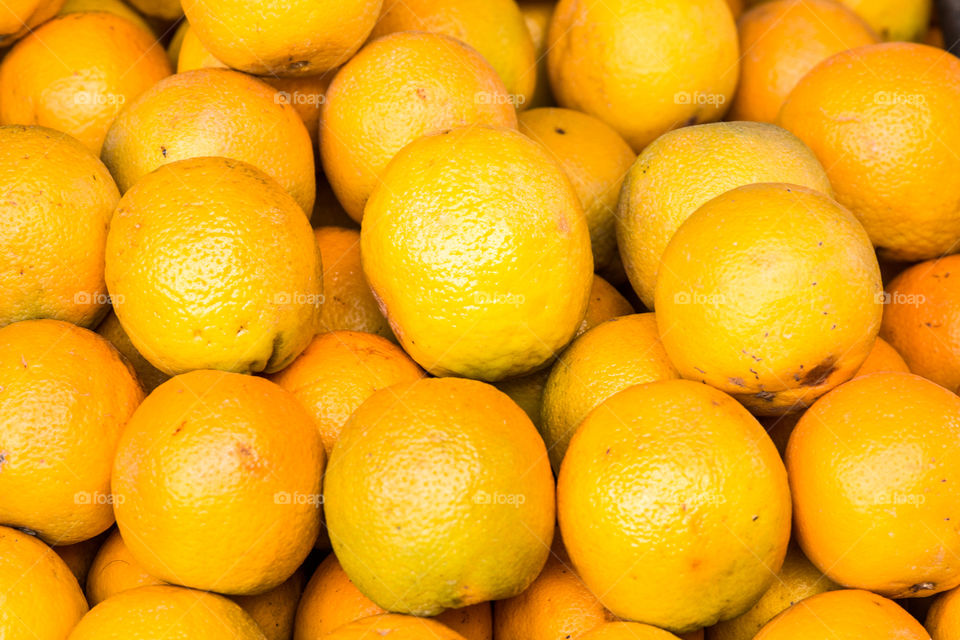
(537, 15)
(882, 357)
(394, 627)
(893, 19)
(114, 569)
(943, 618)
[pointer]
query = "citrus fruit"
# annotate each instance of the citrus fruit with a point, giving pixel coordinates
(114, 569)
(798, 579)
(882, 357)
(164, 10)
(786, 308)
(689, 80)
(668, 487)
(65, 397)
(41, 597)
(395, 90)
(922, 319)
(212, 112)
(557, 606)
(116, 7)
(348, 302)
(76, 72)
(394, 627)
(670, 180)
(193, 55)
(874, 477)
(152, 612)
(212, 265)
(57, 202)
(274, 611)
(537, 15)
(895, 20)
(596, 159)
(148, 375)
(781, 41)
(943, 619)
(609, 358)
(887, 138)
(338, 371)
(495, 28)
(477, 248)
(79, 556)
(18, 17)
(627, 631)
(848, 614)
(330, 601)
(217, 482)
(461, 472)
(305, 38)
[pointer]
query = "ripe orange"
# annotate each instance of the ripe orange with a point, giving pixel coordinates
(173, 121)
(114, 569)
(596, 159)
(330, 601)
(65, 397)
(787, 307)
(306, 38)
(116, 7)
(495, 28)
(689, 80)
(670, 180)
(667, 487)
(781, 41)
(338, 371)
(145, 613)
(148, 375)
(274, 611)
(557, 606)
(57, 202)
(881, 120)
(605, 360)
(894, 19)
(627, 631)
(18, 17)
(943, 619)
(348, 302)
(447, 468)
(394, 627)
(41, 597)
(478, 250)
(922, 319)
(874, 472)
(193, 55)
(217, 483)
(79, 556)
(212, 265)
(76, 72)
(847, 614)
(394, 91)
(882, 357)
(537, 15)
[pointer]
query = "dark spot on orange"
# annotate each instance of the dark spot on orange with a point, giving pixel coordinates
(695, 563)
(163, 150)
(421, 93)
(560, 131)
(736, 381)
(819, 374)
(764, 395)
(923, 586)
(180, 427)
(562, 223)
(755, 518)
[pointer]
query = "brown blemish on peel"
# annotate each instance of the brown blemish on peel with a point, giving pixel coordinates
(819, 374)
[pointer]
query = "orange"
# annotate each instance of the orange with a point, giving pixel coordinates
(76, 72)
(787, 306)
(607, 359)
(922, 318)
(212, 112)
(882, 357)
(495, 28)
(212, 265)
(148, 375)
(274, 611)
(670, 180)
(306, 38)
(348, 302)
(798, 579)
(394, 627)
(873, 469)
(164, 10)
(193, 55)
(57, 202)
(395, 90)
(65, 398)
(114, 569)
(844, 615)
(667, 487)
(79, 556)
(537, 15)
(338, 371)
(688, 80)
(781, 41)
(447, 468)
(943, 619)
(894, 19)
(477, 248)
(41, 597)
(330, 601)
(18, 17)
(217, 483)
(596, 159)
(116, 7)
(557, 606)
(166, 612)
(881, 120)
(627, 631)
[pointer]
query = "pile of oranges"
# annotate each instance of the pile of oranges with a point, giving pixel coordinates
(496, 320)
